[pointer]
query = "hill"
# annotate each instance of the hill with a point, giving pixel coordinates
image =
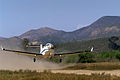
(44, 35)
(106, 26)
(11, 43)
(1, 37)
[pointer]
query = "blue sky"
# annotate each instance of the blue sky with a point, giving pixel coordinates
(19, 16)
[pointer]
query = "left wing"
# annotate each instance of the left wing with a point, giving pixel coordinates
(21, 52)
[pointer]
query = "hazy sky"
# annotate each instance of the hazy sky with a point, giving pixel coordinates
(19, 16)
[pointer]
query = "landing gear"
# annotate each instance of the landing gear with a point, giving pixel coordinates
(34, 59)
(50, 57)
(60, 58)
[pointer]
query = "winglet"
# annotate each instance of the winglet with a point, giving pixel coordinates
(2, 48)
(92, 49)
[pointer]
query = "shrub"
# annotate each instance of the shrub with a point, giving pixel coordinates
(71, 59)
(118, 56)
(109, 54)
(83, 58)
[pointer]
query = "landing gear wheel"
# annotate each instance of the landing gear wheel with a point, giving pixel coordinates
(34, 59)
(50, 57)
(60, 60)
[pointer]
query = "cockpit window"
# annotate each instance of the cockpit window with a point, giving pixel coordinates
(47, 44)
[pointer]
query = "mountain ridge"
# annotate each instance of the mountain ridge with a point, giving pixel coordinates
(103, 23)
(105, 26)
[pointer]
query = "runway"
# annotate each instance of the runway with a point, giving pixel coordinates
(12, 61)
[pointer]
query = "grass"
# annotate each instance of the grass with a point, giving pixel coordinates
(96, 66)
(33, 75)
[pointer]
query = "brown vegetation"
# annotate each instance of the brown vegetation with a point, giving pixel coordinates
(46, 75)
(95, 66)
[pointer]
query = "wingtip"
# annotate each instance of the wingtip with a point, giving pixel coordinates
(92, 49)
(2, 48)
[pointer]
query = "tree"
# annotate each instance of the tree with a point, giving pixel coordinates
(113, 39)
(86, 58)
(25, 43)
(118, 56)
(112, 43)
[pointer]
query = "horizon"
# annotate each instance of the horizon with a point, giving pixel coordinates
(17, 17)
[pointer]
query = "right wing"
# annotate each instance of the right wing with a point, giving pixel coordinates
(72, 53)
(75, 53)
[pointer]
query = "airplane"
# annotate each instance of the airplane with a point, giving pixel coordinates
(47, 50)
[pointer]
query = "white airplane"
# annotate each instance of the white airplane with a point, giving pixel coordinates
(47, 50)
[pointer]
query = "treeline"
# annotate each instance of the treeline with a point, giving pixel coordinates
(105, 56)
(100, 44)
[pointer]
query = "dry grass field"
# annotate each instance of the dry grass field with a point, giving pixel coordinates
(95, 66)
(24, 62)
(47, 75)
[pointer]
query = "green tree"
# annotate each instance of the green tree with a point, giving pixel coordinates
(25, 43)
(113, 39)
(112, 43)
(118, 56)
(86, 58)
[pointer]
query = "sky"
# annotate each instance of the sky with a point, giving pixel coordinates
(19, 16)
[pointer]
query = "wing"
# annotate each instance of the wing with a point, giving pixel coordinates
(72, 53)
(31, 53)
(36, 46)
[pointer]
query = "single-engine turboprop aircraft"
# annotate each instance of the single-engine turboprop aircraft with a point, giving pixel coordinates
(47, 50)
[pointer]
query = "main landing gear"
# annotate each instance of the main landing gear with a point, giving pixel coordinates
(60, 58)
(34, 59)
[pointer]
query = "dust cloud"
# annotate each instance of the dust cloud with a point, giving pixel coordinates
(12, 61)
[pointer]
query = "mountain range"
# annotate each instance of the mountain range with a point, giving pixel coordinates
(105, 26)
